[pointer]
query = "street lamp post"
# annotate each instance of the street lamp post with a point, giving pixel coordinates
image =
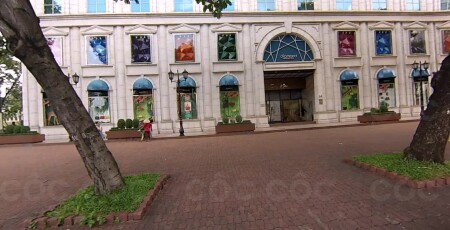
(423, 72)
(185, 76)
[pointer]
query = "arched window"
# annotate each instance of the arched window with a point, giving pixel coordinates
(288, 48)
(229, 96)
(386, 87)
(143, 99)
(349, 90)
(188, 98)
(98, 101)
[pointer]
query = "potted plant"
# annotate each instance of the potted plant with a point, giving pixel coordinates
(381, 114)
(125, 129)
(237, 125)
(18, 134)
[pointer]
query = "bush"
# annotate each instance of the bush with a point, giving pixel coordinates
(135, 123)
(225, 120)
(374, 110)
(9, 129)
(129, 123)
(17, 129)
(121, 124)
(239, 119)
(384, 107)
(25, 129)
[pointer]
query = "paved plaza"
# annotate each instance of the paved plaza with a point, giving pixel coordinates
(271, 180)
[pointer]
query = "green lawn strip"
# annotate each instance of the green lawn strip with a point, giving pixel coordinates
(415, 170)
(94, 207)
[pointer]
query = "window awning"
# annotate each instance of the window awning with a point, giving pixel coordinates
(189, 82)
(348, 74)
(142, 84)
(385, 73)
(228, 80)
(98, 85)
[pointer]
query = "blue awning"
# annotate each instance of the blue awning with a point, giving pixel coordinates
(143, 84)
(348, 74)
(189, 82)
(228, 80)
(98, 85)
(420, 73)
(385, 73)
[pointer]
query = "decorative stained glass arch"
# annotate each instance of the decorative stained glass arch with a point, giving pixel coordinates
(288, 48)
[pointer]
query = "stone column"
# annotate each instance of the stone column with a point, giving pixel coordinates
(206, 71)
(120, 78)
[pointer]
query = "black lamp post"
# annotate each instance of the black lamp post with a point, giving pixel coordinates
(75, 78)
(185, 76)
(423, 72)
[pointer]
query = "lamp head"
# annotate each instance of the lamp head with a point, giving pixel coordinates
(185, 74)
(75, 78)
(171, 75)
(415, 65)
(426, 65)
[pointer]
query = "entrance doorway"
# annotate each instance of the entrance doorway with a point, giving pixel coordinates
(288, 96)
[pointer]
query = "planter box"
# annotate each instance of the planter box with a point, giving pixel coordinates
(379, 117)
(230, 128)
(21, 139)
(122, 134)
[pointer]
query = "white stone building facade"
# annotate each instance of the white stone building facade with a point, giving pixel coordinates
(343, 57)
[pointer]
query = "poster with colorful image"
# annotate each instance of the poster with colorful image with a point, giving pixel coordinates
(143, 106)
(229, 104)
(188, 106)
(417, 42)
(446, 41)
(140, 49)
(383, 42)
(96, 50)
(55, 44)
(99, 108)
(346, 43)
(226, 46)
(386, 94)
(184, 48)
(350, 97)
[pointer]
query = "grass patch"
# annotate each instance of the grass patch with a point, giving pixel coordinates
(415, 170)
(93, 207)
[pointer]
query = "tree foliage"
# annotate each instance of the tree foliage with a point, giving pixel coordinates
(11, 105)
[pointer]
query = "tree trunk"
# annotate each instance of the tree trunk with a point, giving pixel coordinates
(432, 134)
(20, 26)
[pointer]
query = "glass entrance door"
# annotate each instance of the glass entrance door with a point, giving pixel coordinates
(291, 110)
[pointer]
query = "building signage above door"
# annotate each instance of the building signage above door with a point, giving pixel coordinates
(288, 56)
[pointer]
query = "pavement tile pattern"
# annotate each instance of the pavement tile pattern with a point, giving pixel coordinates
(277, 180)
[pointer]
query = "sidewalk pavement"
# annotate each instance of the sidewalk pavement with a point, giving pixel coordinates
(273, 180)
(273, 128)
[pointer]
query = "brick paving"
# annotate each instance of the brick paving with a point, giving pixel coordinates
(278, 180)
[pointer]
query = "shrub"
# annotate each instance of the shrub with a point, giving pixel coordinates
(239, 119)
(135, 123)
(129, 123)
(121, 124)
(17, 129)
(9, 129)
(374, 110)
(225, 120)
(25, 129)
(384, 107)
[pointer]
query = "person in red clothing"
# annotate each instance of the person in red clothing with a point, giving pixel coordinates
(147, 129)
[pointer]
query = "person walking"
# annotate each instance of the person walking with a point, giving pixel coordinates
(147, 129)
(141, 127)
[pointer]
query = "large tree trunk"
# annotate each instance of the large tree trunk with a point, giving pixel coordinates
(432, 134)
(20, 26)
